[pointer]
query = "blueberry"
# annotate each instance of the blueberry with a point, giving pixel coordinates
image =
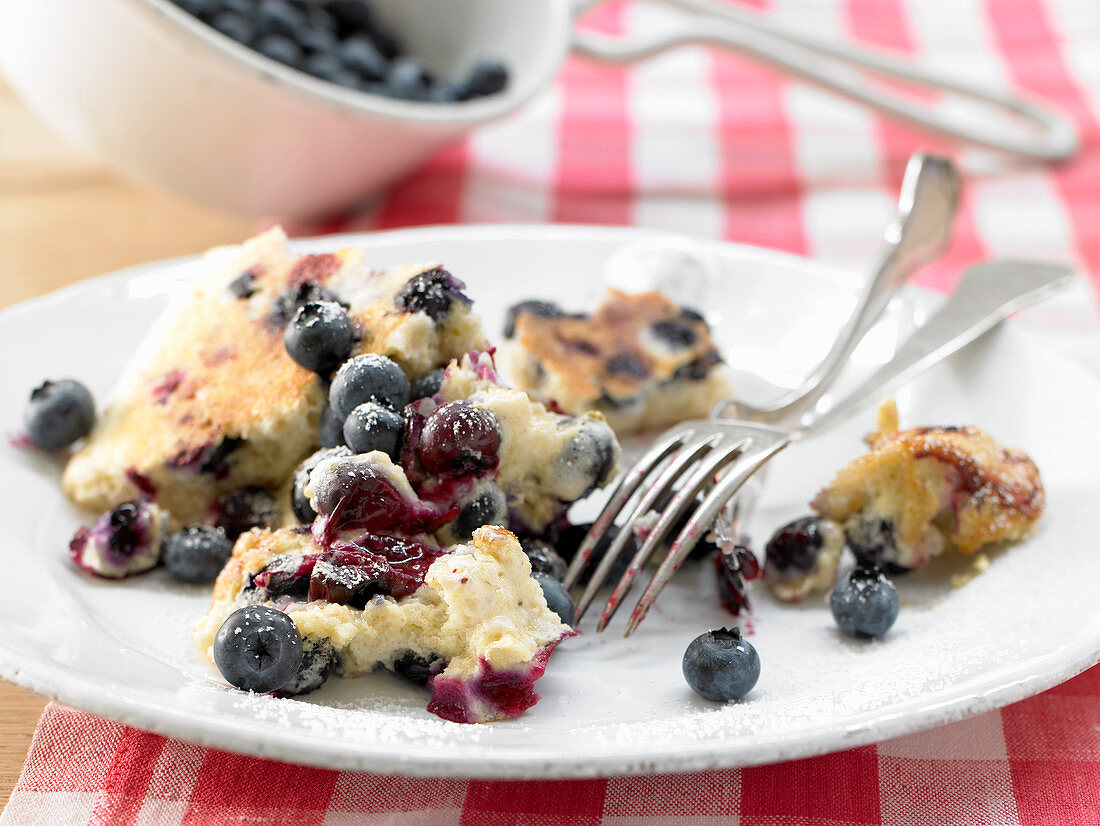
(459, 438)
(409, 78)
(241, 509)
(59, 413)
(316, 40)
(444, 92)
(433, 292)
(368, 378)
(487, 508)
(319, 659)
(246, 8)
(370, 426)
(350, 16)
(735, 567)
(197, 554)
(699, 368)
(286, 575)
(244, 285)
(298, 501)
(349, 578)
(417, 669)
(795, 545)
(281, 49)
(586, 460)
(721, 666)
(362, 56)
(318, 19)
(234, 26)
(279, 17)
(675, 334)
(627, 364)
(327, 66)
(288, 302)
(320, 336)
(198, 8)
(427, 385)
(258, 649)
(331, 430)
(540, 309)
(557, 598)
(544, 559)
(865, 604)
(487, 78)
(385, 42)
(873, 540)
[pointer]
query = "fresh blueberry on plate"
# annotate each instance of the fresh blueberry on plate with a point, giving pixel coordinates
(720, 665)
(197, 554)
(372, 426)
(320, 336)
(557, 598)
(865, 604)
(59, 413)
(368, 378)
(258, 649)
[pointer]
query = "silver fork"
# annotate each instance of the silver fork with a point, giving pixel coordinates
(687, 459)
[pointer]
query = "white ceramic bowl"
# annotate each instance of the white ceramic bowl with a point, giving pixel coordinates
(171, 101)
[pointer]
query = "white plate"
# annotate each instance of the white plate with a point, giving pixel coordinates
(608, 705)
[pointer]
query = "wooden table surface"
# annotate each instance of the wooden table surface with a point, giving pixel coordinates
(64, 217)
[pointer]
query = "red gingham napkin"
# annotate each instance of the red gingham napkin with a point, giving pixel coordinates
(712, 145)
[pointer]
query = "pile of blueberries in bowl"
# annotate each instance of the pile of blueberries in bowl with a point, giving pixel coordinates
(341, 42)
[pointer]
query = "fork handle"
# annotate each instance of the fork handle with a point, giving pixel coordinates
(1050, 136)
(987, 294)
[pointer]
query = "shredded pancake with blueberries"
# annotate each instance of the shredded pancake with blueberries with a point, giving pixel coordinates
(336, 441)
(641, 360)
(214, 404)
(917, 494)
(926, 490)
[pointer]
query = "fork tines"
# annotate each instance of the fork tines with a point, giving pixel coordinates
(711, 456)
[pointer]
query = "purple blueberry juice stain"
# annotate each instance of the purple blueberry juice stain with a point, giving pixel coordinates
(210, 457)
(506, 694)
(314, 268)
(145, 485)
(21, 441)
(627, 364)
(169, 383)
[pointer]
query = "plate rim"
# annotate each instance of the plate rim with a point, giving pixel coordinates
(86, 693)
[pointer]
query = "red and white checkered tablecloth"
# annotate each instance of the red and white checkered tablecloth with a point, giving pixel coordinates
(711, 145)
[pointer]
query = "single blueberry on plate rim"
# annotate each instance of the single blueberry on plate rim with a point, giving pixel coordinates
(721, 665)
(258, 649)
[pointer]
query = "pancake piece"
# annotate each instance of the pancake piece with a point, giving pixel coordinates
(640, 360)
(468, 621)
(927, 490)
(543, 460)
(212, 402)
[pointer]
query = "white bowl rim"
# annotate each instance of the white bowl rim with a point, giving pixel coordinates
(297, 82)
